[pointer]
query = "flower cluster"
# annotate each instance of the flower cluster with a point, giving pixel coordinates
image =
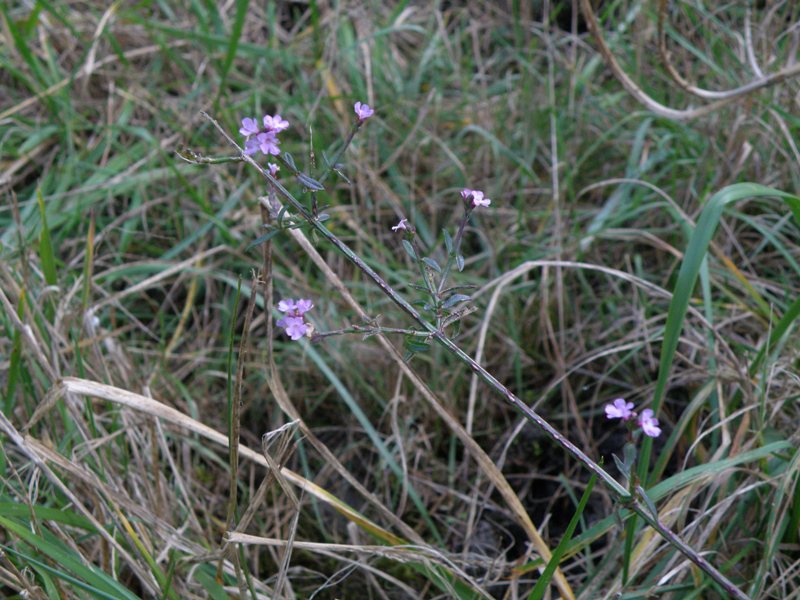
(620, 409)
(293, 322)
(476, 197)
(266, 139)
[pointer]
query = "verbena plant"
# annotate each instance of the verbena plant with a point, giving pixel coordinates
(618, 257)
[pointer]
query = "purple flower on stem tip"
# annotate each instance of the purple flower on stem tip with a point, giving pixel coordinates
(292, 322)
(276, 123)
(403, 224)
(476, 196)
(273, 169)
(619, 409)
(265, 140)
(649, 424)
(249, 127)
(268, 143)
(363, 111)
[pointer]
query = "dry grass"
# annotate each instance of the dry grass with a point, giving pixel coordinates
(138, 348)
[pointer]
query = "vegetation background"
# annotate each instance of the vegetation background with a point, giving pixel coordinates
(126, 272)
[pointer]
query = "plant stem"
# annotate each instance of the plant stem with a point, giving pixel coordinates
(369, 330)
(330, 167)
(614, 487)
(456, 248)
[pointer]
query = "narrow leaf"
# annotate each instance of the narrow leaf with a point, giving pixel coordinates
(46, 245)
(310, 183)
(432, 264)
(448, 241)
(455, 299)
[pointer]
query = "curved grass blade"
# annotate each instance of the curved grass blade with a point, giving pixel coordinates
(65, 558)
(696, 252)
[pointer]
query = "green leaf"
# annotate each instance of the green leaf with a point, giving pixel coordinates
(310, 183)
(410, 249)
(263, 238)
(460, 262)
(455, 299)
(448, 242)
(46, 245)
(432, 264)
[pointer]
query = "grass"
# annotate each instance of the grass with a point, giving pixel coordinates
(625, 254)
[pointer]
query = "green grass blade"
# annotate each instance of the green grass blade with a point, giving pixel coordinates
(64, 557)
(46, 244)
(544, 580)
(44, 570)
(242, 7)
(687, 277)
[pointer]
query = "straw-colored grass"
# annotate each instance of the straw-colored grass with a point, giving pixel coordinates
(160, 437)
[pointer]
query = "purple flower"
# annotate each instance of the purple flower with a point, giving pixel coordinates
(303, 306)
(363, 111)
(273, 169)
(249, 127)
(403, 224)
(295, 327)
(649, 424)
(619, 409)
(476, 196)
(293, 322)
(479, 200)
(268, 142)
(287, 306)
(251, 146)
(276, 123)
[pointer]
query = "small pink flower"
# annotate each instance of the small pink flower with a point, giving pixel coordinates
(649, 424)
(619, 409)
(276, 123)
(363, 111)
(249, 127)
(273, 169)
(476, 196)
(479, 200)
(403, 224)
(268, 143)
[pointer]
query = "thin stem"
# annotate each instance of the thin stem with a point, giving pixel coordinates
(330, 167)
(614, 487)
(456, 248)
(424, 272)
(368, 330)
(196, 158)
